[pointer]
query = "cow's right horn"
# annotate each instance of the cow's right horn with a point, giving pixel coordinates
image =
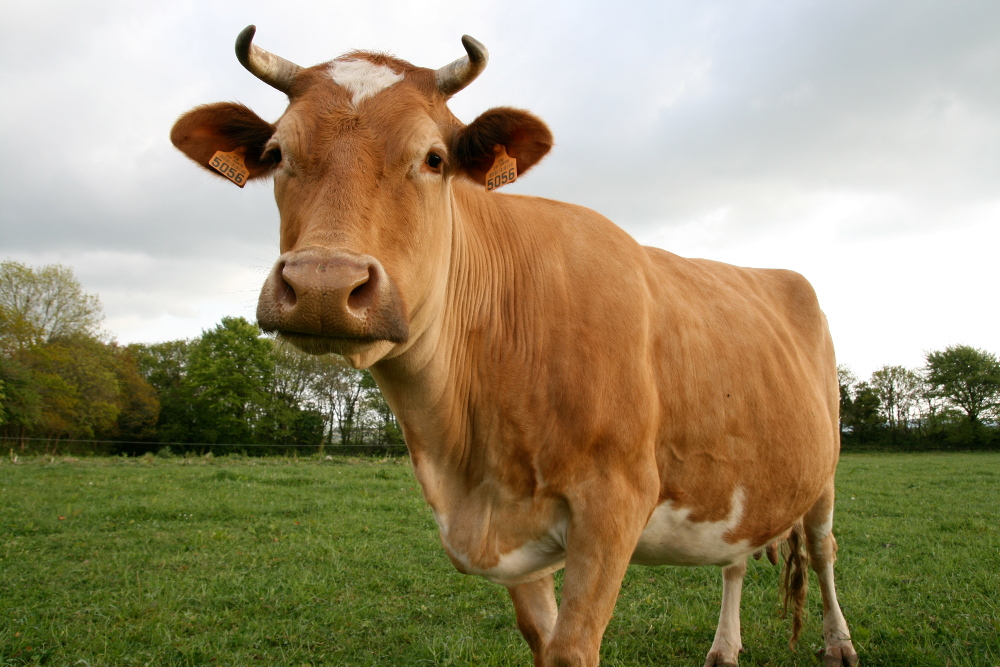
(273, 70)
(455, 76)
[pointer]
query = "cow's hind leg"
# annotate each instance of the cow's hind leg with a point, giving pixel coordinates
(822, 547)
(726, 648)
(536, 610)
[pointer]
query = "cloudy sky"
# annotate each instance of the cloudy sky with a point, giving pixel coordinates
(855, 142)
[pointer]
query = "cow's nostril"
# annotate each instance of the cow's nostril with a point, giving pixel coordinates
(363, 296)
(284, 290)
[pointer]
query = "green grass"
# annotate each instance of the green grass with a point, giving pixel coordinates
(279, 562)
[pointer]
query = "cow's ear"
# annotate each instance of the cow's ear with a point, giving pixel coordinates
(226, 127)
(526, 138)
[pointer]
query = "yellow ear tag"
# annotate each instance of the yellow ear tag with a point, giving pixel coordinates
(231, 166)
(503, 171)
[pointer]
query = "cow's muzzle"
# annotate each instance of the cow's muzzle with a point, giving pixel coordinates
(331, 294)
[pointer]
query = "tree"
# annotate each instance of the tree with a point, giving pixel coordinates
(862, 416)
(337, 391)
(59, 379)
(378, 416)
(232, 386)
(967, 378)
(76, 379)
(40, 305)
(137, 399)
(164, 367)
(230, 371)
(295, 372)
(898, 390)
(846, 379)
(347, 400)
(285, 422)
(298, 417)
(21, 403)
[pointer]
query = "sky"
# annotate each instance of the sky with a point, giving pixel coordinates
(857, 143)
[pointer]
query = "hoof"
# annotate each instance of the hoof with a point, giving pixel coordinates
(717, 659)
(839, 656)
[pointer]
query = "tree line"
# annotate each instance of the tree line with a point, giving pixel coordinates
(63, 381)
(952, 401)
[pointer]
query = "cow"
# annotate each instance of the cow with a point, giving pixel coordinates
(569, 399)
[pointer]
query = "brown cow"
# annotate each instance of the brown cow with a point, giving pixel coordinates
(569, 398)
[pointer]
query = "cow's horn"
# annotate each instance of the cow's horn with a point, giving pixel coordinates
(457, 75)
(271, 69)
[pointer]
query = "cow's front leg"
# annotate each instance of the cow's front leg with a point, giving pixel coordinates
(726, 648)
(535, 607)
(598, 550)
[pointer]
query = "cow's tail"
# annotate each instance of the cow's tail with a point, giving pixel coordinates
(795, 578)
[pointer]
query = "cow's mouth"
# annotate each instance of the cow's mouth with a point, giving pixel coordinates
(317, 344)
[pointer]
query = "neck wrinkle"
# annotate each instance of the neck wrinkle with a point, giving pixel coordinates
(479, 340)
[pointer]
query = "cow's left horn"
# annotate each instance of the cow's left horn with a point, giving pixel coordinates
(273, 70)
(457, 75)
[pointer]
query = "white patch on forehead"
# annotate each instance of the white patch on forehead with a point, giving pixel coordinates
(362, 78)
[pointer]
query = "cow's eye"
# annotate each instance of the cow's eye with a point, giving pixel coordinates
(434, 161)
(272, 152)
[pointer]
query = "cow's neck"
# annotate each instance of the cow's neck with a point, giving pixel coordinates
(441, 389)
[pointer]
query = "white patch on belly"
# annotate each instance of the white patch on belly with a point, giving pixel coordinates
(670, 538)
(362, 78)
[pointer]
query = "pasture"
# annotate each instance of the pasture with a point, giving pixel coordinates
(236, 561)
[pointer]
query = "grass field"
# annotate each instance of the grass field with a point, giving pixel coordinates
(233, 561)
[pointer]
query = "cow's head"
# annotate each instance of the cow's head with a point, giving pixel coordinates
(363, 161)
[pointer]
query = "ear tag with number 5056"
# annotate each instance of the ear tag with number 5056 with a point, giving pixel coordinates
(230, 165)
(503, 171)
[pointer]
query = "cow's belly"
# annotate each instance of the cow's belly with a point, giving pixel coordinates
(671, 538)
